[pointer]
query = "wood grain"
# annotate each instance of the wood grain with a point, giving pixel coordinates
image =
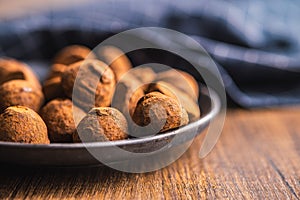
(257, 157)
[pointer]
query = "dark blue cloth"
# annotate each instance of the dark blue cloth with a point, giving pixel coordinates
(256, 44)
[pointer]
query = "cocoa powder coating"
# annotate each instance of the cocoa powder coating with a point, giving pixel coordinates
(185, 99)
(52, 89)
(102, 124)
(116, 59)
(144, 74)
(11, 69)
(56, 70)
(20, 93)
(58, 116)
(95, 84)
(181, 81)
(127, 93)
(21, 124)
(159, 113)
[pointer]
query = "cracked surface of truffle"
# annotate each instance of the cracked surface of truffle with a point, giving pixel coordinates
(102, 124)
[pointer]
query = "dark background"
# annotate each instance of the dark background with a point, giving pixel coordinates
(254, 43)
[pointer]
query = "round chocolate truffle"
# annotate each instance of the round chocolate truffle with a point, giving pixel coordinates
(102, 124)
(58, 116)
(21, 124)
(156, 113)
(94, 84)
(11, 69)
(20, 93)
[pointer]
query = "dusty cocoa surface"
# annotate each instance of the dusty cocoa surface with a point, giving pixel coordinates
(58, 116)
(91, 91)
(22, 124)
(102, 124)
(11, 69)
(160, 113)
(20, 93)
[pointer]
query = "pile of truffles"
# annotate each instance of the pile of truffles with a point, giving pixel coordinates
(88, 98)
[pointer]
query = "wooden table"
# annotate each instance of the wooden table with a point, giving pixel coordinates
(257, 157)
